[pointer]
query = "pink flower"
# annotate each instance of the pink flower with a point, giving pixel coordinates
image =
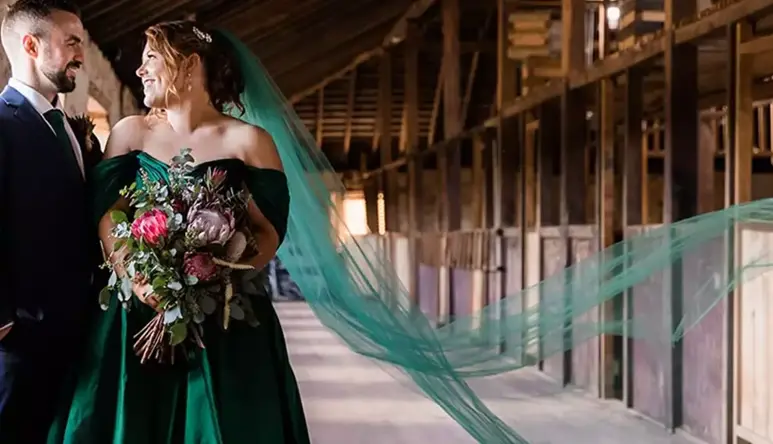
(206, 226)
(200, 266)
(217, 176)
(150, 227)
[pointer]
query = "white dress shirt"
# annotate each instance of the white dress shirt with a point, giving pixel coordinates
(42, 106)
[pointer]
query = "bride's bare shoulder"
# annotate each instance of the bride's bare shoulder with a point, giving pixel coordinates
(127, 135)
(256, 146)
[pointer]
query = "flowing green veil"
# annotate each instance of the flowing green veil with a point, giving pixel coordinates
(353, 290)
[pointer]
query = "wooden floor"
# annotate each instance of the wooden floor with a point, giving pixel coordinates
(350, 399)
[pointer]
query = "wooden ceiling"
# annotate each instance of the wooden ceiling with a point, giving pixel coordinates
(299, 41)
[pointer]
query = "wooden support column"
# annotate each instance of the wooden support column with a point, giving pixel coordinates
(548, 215)
(320, 116)
(605, 217)
(505, 212)
(738, 190)
(389, 185)
(574, 129)
(634, 179)
(682, 182)
(411, 113)
(370, 188)
(449, 160)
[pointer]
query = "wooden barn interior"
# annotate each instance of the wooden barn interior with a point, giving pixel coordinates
(487, 144)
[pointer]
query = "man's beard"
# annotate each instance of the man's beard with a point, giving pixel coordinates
(60, 80)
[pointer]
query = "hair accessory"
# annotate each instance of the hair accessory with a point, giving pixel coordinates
(202, 35)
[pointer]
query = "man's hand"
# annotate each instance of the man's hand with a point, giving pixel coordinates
(5, 329)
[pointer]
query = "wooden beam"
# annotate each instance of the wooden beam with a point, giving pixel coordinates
(738, 190)
(357, 60)
(449, 160)
(290, 54)
(328, 66)
(350, 110)
(412, 140)
(574, 136)
(757, 45)
(384, 123)
(141, 18)
(680, 200)
(399, 31)
(605, 217)
(634, 181)
(717, 18)
(435, 106)
(320, 116)
(622, 61)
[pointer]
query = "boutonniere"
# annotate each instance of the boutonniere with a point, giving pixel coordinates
(83, 125)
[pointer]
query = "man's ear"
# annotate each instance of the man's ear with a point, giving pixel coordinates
(31, 45)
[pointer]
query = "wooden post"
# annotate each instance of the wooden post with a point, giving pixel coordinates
(573, 129)
(634, 179)
(682, 182)
(449, 161)
(411, 112)
(605, 217)
(738, 187)
(320, 116)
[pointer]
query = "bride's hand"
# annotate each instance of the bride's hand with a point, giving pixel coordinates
(144, 292)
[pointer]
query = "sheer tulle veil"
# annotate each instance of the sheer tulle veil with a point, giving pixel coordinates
(354, 293)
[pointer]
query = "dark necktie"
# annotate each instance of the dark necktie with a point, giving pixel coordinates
(56, 118)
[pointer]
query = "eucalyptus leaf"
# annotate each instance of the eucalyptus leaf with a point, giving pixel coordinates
(118, 216)
(158, 282)
(199, 317)
(250, 274)
(237, 312)
(250, 288)
(208, 305)
(172, 315)
(104, 298)
(126, 289)
(178, 332)
(174, 286)
(191, 280)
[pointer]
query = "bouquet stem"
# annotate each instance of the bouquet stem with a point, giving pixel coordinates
(150, 341)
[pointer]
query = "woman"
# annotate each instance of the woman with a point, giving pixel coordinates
(240, 389)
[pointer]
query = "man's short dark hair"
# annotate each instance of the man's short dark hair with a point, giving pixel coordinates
(36, 12)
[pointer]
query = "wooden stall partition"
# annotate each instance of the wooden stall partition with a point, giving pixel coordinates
(754, 355)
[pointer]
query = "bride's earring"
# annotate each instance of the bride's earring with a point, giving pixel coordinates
(189, 87)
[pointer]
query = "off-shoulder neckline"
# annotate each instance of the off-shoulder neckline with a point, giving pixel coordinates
(138, 153)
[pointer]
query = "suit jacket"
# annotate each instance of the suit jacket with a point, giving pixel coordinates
(47, 236)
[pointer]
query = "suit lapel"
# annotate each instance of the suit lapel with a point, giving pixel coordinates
(28, 115)
(24, 111)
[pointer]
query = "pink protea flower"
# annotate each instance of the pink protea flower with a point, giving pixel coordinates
(150, 227)
(200, 266)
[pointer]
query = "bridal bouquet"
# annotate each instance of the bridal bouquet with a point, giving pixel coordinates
(185, 238)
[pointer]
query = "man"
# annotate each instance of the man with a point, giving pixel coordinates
(47, 237)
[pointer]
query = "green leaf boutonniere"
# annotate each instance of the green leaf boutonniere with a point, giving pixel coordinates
(83, 127)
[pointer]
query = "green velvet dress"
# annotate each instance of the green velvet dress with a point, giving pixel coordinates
(239, 390)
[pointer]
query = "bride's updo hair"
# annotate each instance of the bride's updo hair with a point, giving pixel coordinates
(176, 40)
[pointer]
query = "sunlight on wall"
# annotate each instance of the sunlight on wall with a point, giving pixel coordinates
(355, 216)
(98, 114)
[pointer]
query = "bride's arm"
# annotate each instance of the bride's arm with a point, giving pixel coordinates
(122, 140)
(261, 152)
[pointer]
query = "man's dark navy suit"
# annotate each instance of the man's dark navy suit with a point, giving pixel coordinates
(47, 261)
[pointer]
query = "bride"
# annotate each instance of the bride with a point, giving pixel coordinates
(241, 388)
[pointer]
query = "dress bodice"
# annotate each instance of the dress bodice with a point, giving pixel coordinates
(268, 187)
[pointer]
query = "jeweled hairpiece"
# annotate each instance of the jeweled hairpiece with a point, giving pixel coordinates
(202, 35)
